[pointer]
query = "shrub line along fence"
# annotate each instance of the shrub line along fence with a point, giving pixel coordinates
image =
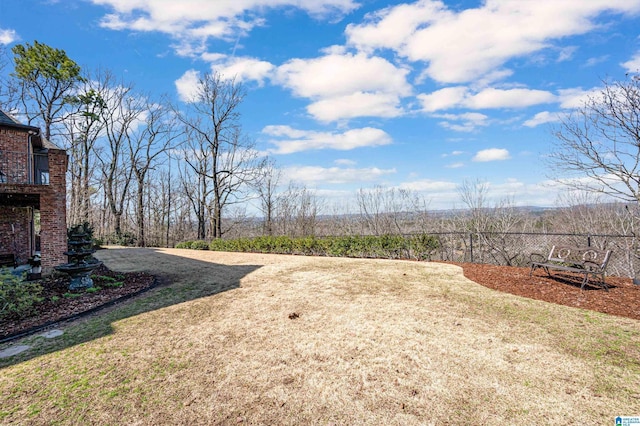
(499, 248)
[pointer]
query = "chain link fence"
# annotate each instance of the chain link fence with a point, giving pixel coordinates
(514, 249)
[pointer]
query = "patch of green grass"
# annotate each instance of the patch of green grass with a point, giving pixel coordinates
(70, 295)
(33, 410)
(110, 281)
(104, 278)
(93, 289)
(7, 413)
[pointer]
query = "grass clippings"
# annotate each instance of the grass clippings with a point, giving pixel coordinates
(266, 339)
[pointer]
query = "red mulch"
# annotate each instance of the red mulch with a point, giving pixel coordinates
(622, 299)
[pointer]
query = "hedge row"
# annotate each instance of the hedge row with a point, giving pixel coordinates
(420, 247)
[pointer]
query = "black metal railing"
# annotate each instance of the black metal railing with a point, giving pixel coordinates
(22, 168)
(515, 248)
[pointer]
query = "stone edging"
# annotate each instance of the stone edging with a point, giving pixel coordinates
(37, 328)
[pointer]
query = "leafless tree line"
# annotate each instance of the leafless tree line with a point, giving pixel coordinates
(147, 171)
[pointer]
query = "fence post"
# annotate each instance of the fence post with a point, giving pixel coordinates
(471, 246)
(588, 240)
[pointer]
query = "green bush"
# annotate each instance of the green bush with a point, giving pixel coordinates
(423, 246)
(97, 243)
(419, 247)
(124, 239)
(17, 297)
(199, 245)
(218, 245)
(184, 245)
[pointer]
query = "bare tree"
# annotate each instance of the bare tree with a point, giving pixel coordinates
(123, 112)
(266, 187)
(598, 146)
(193, 178)
(493, 228)
(8, 87)
(147, 146)
(297, 210)
(212, 119)
(385, 210)
(83, 129)
(161, 200)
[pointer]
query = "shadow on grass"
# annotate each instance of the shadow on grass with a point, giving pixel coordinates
(182, 279)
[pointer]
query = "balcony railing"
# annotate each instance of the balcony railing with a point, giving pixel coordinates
(22, 168)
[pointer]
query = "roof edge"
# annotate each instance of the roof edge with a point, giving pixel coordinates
(7, 120)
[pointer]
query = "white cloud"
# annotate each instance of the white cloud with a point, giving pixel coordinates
(192, 22)
(8, 36)
(511, 98)
(463, 46)
(240, 68)
(633, 64)
(335, 175)
(489, 98)
(345, 86)
(393, 26)
(576, 97)
(453, 153)
(591, 62)
(187, 86)
(454, 165)
(492, 154)
(445, 195)
(542, 118)
(342, 74)
(289, 140)
(566, 53)
(428, 185)
(467, 122)
(357, 104)
(344, 162)
(443, 99)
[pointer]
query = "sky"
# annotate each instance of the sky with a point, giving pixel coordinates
(349, 94)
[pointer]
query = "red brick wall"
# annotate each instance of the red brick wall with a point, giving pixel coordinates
(15, 232)
(53, 206)
(15, 144)
(53, 212)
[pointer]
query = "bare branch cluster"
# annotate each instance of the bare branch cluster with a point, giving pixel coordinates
(598, 146)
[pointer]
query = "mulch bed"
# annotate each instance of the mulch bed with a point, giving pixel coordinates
(622, 299)
(59, 303)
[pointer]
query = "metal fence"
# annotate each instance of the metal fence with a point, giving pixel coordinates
(514, 249)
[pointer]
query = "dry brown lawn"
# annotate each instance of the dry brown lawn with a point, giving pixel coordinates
(286, 340)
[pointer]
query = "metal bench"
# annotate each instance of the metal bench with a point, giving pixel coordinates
(580, 260)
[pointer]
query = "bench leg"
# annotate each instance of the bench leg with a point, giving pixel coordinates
(604, 283)
(584, 282)
(534, 266)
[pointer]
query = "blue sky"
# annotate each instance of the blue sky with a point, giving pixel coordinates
(348, 94)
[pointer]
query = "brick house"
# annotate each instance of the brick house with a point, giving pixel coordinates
(32, 194)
